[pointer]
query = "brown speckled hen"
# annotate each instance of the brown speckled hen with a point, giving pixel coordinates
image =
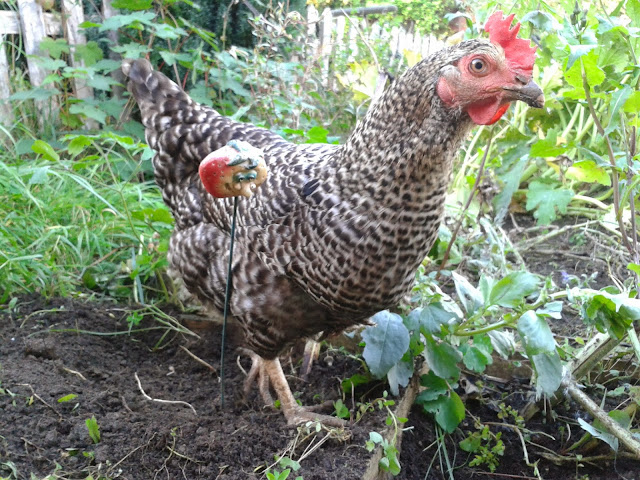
(336, 233)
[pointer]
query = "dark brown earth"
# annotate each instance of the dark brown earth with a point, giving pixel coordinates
(57, 347)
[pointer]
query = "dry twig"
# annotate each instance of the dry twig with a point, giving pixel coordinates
(175, 402)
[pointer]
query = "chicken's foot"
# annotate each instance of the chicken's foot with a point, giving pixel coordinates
(294, 413)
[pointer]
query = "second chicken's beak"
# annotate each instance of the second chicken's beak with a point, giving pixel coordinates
(531, 94)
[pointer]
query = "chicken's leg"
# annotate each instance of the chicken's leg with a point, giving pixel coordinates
(294, 413)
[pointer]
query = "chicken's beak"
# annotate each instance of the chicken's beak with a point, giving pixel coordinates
(531, 94)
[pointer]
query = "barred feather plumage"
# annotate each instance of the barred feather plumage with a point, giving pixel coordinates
(336, 233)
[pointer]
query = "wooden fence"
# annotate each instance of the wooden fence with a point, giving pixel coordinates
(34, 24)
(342, 30)
(330, 32)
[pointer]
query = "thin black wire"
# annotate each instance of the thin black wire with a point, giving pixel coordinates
(227, 297)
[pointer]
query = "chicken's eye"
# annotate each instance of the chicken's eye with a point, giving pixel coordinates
(478, 66)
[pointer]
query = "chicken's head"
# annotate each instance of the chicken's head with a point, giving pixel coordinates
(484, 81)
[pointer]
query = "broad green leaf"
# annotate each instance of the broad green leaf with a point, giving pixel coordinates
(578, 51)
(56, 47)
(551, 309)
(434, 386)
(633, 11)
(131, 50)
(611, 312)
(549, 372)
(587, 171)
(535, 333)
(511, 291)
(399, 376)
(477, 356)
(39, 176)
(78, 144)
(634, 267)
(46, 150)
(442, 358)
(432, 317)
(88, 110)
(127, 20)
(132, 4)
(594, 74)
(90, 53)
(603, 435)
(386, 342)
(545, 199)
(618, 99)
(632, 105)
(449, 411)
(349, 384)
(548, 147)
(165, 31)
(511, 181)
(470, 296)
(503, 342)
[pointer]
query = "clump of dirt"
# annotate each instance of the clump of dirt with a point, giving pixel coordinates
(54, 349)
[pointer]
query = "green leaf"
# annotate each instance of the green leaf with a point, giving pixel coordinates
(90, 53)
(317, 134)
(78, 144)
(549, 370)
(386, 342)
(46, 150)
(434, 387)
(470, 296)
(88, 110)
(603, 435)
(535, 333)
(548, 146)
(511, 291)
(349, 384)
(55, 48)
(576, 52)
(399, 376)
(132, 4)
(442, 358)
(546, 199)
(449, 411)
(618, 99)
(632, 105)
(587, 171)
(551, 309)
(94, 429)
(432, 317)
(634, 267)
(476, 357)
(127, 20)
(39, 176)
(610, 312)
(67, 398)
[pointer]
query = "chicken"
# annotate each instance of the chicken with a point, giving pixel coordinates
(336, 233)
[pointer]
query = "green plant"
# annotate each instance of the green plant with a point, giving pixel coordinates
(486, 446)
(93, 428)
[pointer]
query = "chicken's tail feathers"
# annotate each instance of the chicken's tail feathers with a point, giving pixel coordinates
(160, 100)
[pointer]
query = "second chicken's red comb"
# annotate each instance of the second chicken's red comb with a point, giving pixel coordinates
(518, 52)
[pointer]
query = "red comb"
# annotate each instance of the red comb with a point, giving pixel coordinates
(518, 52)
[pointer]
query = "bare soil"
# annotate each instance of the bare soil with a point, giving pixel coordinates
(53, 348)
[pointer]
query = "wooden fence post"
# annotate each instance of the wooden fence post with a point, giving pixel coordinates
(33, 32)
(72, 17)
(108, 11)
(6, 111)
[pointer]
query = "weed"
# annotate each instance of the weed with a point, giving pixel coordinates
(93, 428)
(486, 445)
